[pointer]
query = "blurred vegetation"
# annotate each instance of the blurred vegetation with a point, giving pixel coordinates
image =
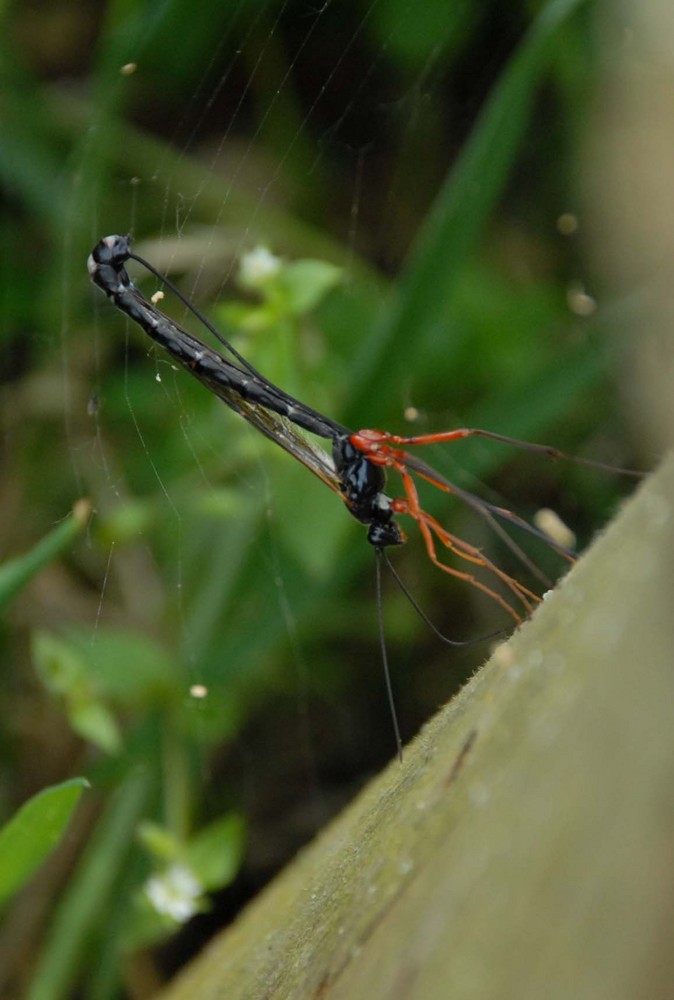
(434, 162)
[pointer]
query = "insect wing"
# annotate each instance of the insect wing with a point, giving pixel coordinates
(485, 509)
(283, 433)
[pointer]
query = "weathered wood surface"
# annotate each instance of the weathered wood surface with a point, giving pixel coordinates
(525, 848)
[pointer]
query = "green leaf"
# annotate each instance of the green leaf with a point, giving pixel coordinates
(27, 839)
(146, 926)
(168, 900)
(126, 522)
(15, 574)
(126, 669)
(129, 668)
(215, 853)
(59, 665)
(159, 841)
(306, 282)
(85, 904)
(95, 723)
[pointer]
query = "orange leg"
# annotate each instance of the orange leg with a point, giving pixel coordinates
(377, 446)
(373, 440)
(396, 458)
(430, 527)
(384, 458)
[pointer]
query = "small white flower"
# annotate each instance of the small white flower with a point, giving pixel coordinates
(175, 893)
(257, 267)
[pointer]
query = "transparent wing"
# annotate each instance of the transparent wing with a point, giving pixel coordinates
(283, 433)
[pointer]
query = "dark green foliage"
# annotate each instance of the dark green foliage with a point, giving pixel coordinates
(426, 162)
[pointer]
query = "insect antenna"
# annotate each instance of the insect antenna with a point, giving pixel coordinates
(384, 655)
(381, 555)
(455, 643)
(199, 315)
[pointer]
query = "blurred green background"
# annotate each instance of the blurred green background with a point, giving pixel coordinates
(434, 157)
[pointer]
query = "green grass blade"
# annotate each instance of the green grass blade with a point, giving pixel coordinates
(84, 905)
(15, 574)
(424, 299)
(29, 836)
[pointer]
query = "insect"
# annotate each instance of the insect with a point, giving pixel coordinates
(356, 466)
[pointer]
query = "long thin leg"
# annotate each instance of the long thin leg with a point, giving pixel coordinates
(370, 440)
(395, 458)
(384, 657)
(430, 527)
(490, 512)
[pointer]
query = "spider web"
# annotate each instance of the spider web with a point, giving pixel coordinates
(199, 233)
(249, 562)
(228, 598)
